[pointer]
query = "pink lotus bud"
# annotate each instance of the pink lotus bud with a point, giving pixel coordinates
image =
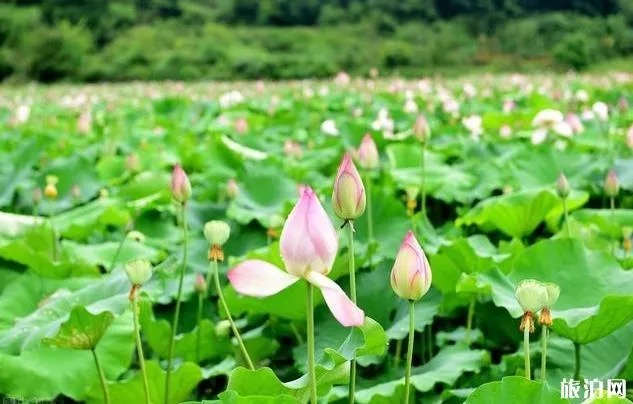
(308, 240)
(411, 273)
(611, 185)
(231, 188)
(201, 284)
(508, 106)
(575, 123)
(368, 153)
(562, 186)
(623, 104)
(348, 198)
(421, 129)
(241, 126)
(180, 186)
(292, 149)
(505, 132)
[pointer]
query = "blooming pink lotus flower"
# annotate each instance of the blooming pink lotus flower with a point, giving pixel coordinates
(309, 244)
(368, 153)
(180, 186)
(411, 273)
(348, 198)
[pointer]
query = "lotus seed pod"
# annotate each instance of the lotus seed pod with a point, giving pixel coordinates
(553, 292)
(531, 295)
(562, 186)
(138, 271)
(217, 232)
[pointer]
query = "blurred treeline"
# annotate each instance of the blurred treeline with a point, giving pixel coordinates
(91, 40)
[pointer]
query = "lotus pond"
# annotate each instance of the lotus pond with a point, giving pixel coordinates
(353, 240)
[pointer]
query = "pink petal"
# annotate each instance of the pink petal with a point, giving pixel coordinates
(259, 278)
(343, 309)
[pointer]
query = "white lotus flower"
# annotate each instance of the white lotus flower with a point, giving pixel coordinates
(547, 118)
(329, 128)
(601, 110)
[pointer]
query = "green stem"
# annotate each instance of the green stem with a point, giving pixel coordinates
(53, 233)
(174, 326)
(526, 351)
(352, 287)
(577, 366)
(469, 320)
(225, 306)
(396, 359)
(566, 217)
(104, 383)
(407, 375)
(139, 349)
(423, 182)
(296, 333)
(544, 353)
(310, 333)
(117, 253)
(198, 331)
(612, 208)
(370, 219)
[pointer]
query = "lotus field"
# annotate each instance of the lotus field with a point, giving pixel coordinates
(348, 241)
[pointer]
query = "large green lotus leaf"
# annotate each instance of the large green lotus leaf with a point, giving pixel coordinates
(446, 367)
(624, 170)
(596, 294)
(536, 168)
(462, 256)
(146, 190)
(515, 390)
(79, 223)
(231, 397)
(14, 225)
(446, 182)
(82, 330)
(183, 380)
(35, 250)
(16, 168)
(263, 193)
(368, 339)
(75, 171)
(102, 254)
(44, 373)
(609, 222)
(157, 334)
(109, 293)
(518, 214)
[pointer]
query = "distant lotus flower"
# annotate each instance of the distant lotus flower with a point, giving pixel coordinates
(241, 126)
(308, 248)
(547, 118)
(292, 149)
(132, 162)
(180, 186)
(611, 184)
(383, 122)
(601, 110)
(451, 107)
(469, 90)
(260, 86)
(367, 153)
(574, 123)
(582, 96)
(508, 106)
(473, 124)
(342, 79)
(230, 99)
(623, 104)
(308, 92)
(410, 107)
(357, 112)
(411, 273)
(84, 122)
(329, 128)
(505, 132)
(324, 91)
(587, 115)
(629, 137)
(348, 198)
(373, 72)
(21, 115)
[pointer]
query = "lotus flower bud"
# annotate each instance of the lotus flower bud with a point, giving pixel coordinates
(623, 104)
(180, 186)
(201, 284)
(421, 129)
(217, 232)
(231, 188)
(562, 186)
(411, 273)
(629, 137)
(138, 271)
(611, 185)
(531, 295)
(348, 198)
(37, 196)
(50, 191)
(368, 153)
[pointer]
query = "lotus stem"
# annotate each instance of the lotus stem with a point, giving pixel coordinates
(174, 330)
(398, 353)
(199, 322)
(566, 211)
(104, 383)
(117, 253)
(370, 219)
(544, 353)
(526, 352)
(469, 320)
(423, 181)
(352, 287)
(139, 347)
(577, 363)
(407, 375)
(310, 333)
